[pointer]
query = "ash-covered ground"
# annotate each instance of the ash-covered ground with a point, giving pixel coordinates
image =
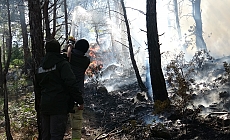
(125, 113)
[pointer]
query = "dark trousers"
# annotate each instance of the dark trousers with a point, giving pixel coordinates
(54, 126)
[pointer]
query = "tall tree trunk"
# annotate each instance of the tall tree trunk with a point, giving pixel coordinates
(1, 74)
(97, 34)
(200, 43)
(54, 19)
(46, 18)
(177, 19)
(2, 51)
(111, 31)
(35, 21)
(26, 49)
(157, 78)
(66, 21)
(3, 46)
(139, 80)
(109, 9)
(9, 45)
(124, 48)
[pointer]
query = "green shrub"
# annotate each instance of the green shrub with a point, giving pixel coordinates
(17, 62)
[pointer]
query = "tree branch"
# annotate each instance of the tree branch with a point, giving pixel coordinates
(137, 10)
(122, 44)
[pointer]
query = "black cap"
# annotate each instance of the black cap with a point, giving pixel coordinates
(53, 46)
(82, 45)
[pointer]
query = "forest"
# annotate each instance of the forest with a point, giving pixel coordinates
(159, 69)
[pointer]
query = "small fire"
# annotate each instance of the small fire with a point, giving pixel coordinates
(93, 69)
(96, 65)
(93, 49)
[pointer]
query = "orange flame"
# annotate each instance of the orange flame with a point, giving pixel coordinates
(95, 66)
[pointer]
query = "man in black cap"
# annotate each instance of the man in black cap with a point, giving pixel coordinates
(79, 63)
(57, 84)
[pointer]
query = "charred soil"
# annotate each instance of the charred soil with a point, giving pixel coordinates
(121, 115)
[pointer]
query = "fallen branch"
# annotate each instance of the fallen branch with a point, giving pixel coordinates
(108, 135)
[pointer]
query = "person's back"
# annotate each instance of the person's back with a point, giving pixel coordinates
(79, 63)
(53, 79)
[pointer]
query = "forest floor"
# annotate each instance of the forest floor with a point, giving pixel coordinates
(122, 115)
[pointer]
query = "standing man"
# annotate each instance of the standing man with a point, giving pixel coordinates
(57, 85)
(79, 63)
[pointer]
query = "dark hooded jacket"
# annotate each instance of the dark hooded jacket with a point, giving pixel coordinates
(79, 64)
(57, 85)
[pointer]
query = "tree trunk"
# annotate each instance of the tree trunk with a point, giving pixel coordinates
(66, 21)
(3, 45)
(6, 109)
(54, 19)
(1, 74)
(139, 80)
(177, 19)
(156, 74)
(46, 18)
(111, 31)
(35, 21)
(97, 34)
(124, 50)
(200, 43)
(25, 37)
(3, 57)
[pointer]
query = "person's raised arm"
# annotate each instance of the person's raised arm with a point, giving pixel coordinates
(69, 49)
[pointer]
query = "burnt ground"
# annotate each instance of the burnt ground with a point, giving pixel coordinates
(122, 115)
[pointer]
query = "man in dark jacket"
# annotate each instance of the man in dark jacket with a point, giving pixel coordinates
(79, 63)
(57, 84)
